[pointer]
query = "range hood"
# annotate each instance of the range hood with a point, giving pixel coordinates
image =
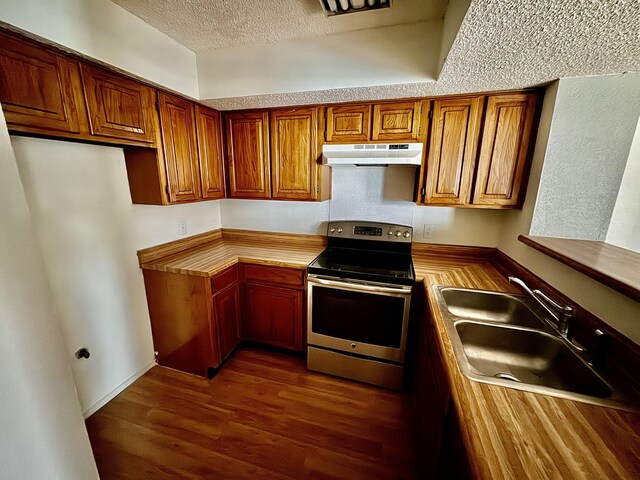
(373, 154)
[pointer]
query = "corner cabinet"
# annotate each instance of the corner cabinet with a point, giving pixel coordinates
(248, 155)
(505, 149)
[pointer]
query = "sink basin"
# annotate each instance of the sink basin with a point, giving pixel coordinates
(529, 357)
(501, 339)
(489, 306)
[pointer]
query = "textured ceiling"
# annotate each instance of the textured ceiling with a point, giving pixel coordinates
(506, 44)
(212, 24)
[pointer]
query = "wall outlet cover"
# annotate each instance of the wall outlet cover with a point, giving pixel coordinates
(427, 230)
(182, 227)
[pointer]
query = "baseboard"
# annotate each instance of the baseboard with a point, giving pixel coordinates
(86, 413)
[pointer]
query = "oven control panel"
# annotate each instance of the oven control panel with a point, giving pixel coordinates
(386, 232)
(367, 231)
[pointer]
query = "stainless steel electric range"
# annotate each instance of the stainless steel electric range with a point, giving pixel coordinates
(359, 293)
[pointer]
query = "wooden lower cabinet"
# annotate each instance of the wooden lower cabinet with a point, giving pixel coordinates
(438, 438)
(197, 322)
(226, 308)
(194, 326)
(273, 315)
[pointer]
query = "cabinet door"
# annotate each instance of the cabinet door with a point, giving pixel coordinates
(504, 150)
(348, 123)
(248, 155)
(226, 305)
(39, 89)
(210, 153)
(397, 121)
(119, 107)
(294, 154)
(452, 151)
(180, 152)
(273, 316)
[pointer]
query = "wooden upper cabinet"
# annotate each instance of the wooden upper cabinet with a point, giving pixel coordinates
(348, 123)
(294, 153)
(119, 107)
(397, 121)
(180, 148)
(248, 155)
(210, 153)
(455, 128)
(506, 138)
(39, 90)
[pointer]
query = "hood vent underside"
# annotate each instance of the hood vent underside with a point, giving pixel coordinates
(373, 154)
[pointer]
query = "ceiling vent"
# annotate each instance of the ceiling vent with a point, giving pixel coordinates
(340, 7)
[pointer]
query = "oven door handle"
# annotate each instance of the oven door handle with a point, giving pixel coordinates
(362, 287)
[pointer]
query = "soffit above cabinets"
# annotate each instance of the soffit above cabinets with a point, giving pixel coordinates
(214, 24)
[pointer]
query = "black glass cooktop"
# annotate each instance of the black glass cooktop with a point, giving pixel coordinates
(371, 265)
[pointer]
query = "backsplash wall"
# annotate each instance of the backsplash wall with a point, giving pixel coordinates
(368, 193)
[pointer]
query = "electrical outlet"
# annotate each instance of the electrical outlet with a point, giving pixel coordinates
(182, 227)
(427, 231)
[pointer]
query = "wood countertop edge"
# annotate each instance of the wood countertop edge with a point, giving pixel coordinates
(489, 456)
(223, 266)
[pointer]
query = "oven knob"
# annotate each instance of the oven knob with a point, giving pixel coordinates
(390, 232)
(333, 230)
(339, 229)
(398, 233)
(406, 234)
(353, 345)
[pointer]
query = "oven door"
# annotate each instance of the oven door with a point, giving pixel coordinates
(360, 318)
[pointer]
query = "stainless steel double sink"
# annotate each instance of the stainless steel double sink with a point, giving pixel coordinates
(504, 339)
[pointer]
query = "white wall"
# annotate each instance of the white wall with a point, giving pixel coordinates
(89, 232)
(275, 216)
(624, 229)
(367, 193)
(107, 32)
(379, 56)
(42, 433)
(591, 132)
(617, 310)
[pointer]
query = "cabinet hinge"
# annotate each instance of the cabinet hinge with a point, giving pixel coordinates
(430, 114)
(168, 190)
(423, 192)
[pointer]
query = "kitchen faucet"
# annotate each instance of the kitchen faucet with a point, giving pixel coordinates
(562, 314)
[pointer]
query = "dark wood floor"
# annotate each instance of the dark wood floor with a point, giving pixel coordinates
(263, 416)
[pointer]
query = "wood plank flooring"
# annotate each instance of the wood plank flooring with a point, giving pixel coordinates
(263, 416)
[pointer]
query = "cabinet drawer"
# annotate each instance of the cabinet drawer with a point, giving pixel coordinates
(274, 275)
(223, 279)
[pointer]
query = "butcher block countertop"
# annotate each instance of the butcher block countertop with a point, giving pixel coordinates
(508, 433)
(211, 253)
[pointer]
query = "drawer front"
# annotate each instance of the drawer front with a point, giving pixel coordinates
(222, 280)
(274, 275)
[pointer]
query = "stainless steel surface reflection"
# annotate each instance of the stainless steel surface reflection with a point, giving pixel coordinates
(505, 340)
